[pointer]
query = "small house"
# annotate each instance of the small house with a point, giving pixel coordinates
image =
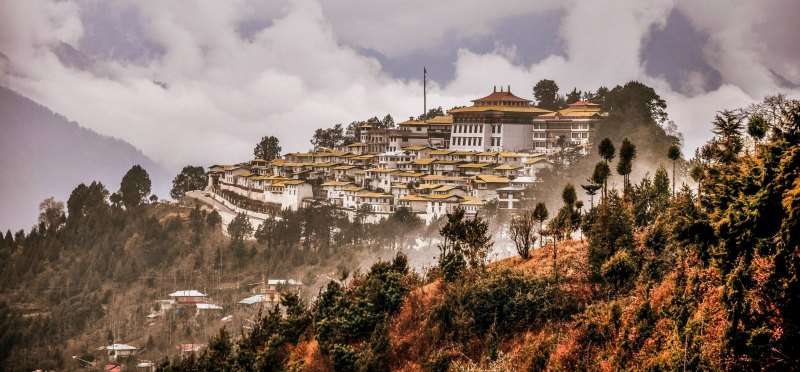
(188, 296)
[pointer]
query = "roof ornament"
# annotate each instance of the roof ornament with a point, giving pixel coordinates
(495, 88)
(509, 88)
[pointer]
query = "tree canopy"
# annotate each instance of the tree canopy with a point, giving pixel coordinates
(268, 148)
(546, 94)
(190, 178)
(135, 187)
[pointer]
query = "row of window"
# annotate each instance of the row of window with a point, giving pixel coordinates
(574, 135)
(576, 126)
(495, 141)
(461, 128)
(467, 141)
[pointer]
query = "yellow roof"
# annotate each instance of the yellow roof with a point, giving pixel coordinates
(447, 162)
(352, 188)
(301, 154)
(445, 188)
(577, 110)
(324, 164)
(382, 170)
(444, 196)
(471, 201)
(488, 153)
(433, 177)
(357, 144)
(535, 160)
(488, 178)
(413, 122)
(371, 194)
(474, 165)
(415, 148)
(441, 120)
(463, 153)
(508, 167)
(524, 109)
(511, 154)
(441, 152)
(413, 197)
(423, 161)
(344, 167)
(293, 182)
(410, 174)
(437, 120)
(427, 186)
(336, 183)
(329, 153)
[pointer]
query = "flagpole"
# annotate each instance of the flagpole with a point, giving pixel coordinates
(424, 91)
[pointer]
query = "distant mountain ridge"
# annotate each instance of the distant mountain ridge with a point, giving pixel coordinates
(43, 154)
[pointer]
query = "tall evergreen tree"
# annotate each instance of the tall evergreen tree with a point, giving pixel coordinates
(540, 215)
(135, 187)
(546, 94)
(674, 153)
(627, 152)
(268, 148)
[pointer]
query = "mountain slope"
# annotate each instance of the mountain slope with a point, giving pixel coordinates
(43, 154)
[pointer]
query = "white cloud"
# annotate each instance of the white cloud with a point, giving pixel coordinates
(301, 70)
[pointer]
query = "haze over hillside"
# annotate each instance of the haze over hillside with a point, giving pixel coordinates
(43, 154)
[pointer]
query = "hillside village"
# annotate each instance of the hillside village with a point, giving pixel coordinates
(490, 152)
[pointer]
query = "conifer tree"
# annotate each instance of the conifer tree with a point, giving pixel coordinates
(627, 152)
(540, 215)
(674, 153)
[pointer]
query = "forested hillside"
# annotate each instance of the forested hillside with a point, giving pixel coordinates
(664, 280)
(650, 275)
(90, 272)
(43, 154)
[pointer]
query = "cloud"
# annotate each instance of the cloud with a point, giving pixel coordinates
(215, 79)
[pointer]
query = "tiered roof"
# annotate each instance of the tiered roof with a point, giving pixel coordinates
(502, 101)
(578, 110)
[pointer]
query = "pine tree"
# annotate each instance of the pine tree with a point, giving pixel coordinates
(674, 153)
(627, 152)
(135, 187)
(540, 215)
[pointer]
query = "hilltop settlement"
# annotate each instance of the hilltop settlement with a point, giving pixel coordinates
(490, 152)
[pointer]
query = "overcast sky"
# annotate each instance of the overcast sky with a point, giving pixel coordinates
(200, 81)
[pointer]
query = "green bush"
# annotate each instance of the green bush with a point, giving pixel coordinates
(505, 300)
(348, 314)
(343, 357)
(619, 269)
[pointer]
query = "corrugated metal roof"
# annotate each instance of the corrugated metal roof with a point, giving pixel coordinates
(187, 293)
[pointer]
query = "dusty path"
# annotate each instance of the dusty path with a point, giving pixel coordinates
(225, 212)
